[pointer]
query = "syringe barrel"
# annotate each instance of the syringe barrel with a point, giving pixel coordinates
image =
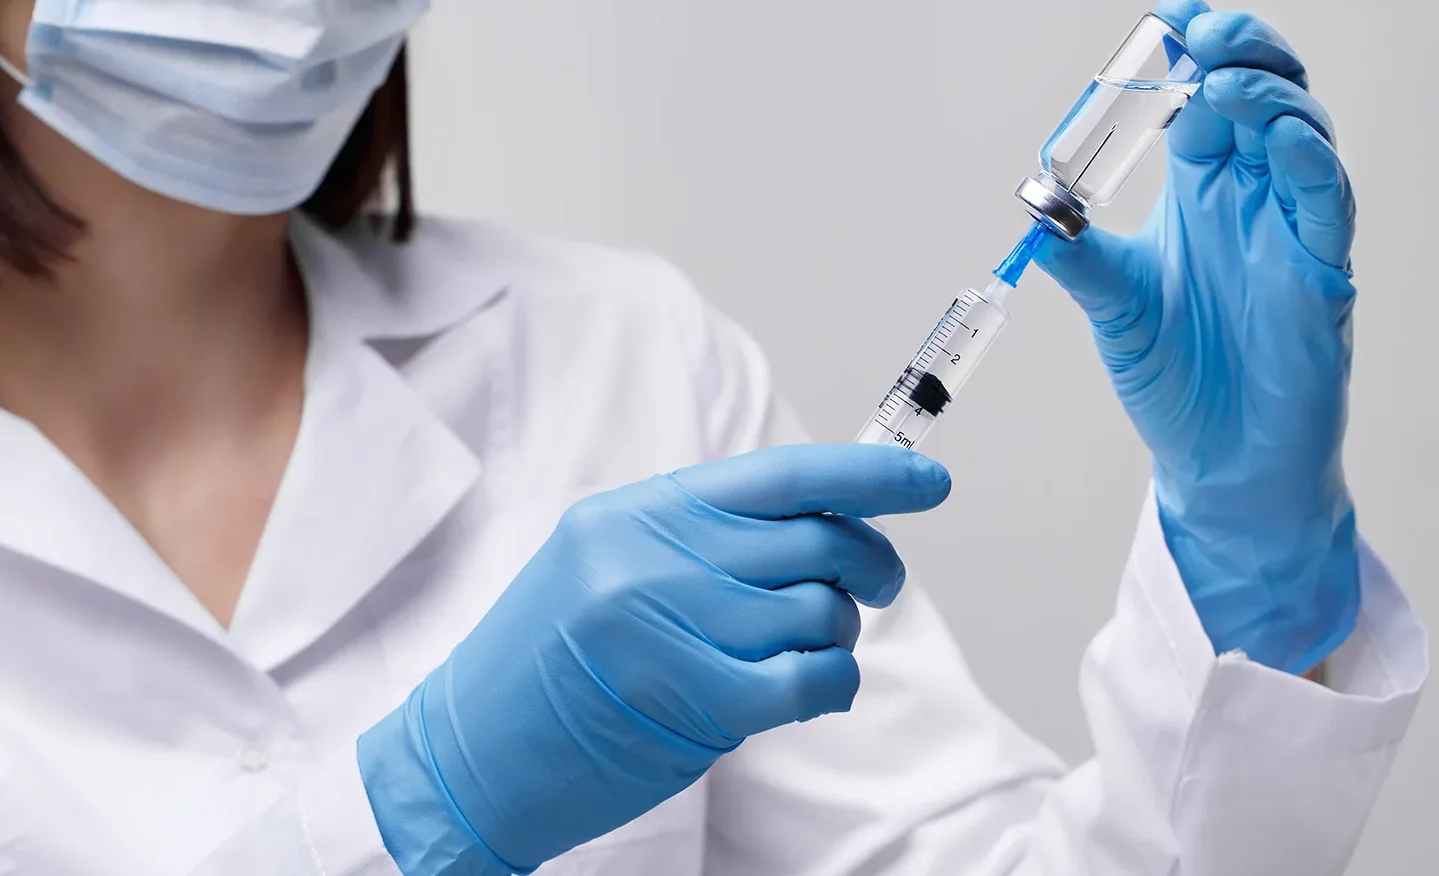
(939, 370)
(1114, 125)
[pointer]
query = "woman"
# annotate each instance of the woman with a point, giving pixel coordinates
(333, 549)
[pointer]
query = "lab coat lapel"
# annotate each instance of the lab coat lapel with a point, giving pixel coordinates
(375, 469)
(52, 514)
(373, 473)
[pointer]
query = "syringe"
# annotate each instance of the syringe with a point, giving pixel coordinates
(1088, 159)
(949, 356)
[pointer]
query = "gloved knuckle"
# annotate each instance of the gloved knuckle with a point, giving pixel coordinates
(1289, 128)
(1237, 29)
(1222, 87)
(589, 517)
(1204, 31)
(1258, 86)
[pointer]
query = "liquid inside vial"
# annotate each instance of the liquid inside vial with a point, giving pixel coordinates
(1108, 133)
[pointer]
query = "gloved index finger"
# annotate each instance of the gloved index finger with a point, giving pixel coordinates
(859, 480)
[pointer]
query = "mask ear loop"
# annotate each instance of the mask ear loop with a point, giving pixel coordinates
(14, 73)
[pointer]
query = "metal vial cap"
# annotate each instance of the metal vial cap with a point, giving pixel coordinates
(1048, 202)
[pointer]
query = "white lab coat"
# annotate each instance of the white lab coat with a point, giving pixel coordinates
(462, 392)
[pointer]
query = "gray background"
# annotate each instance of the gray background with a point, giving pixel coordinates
(831, 171)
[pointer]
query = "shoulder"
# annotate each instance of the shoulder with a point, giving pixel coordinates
(599, 321)
(451, 267)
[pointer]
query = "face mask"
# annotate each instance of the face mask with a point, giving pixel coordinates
(236, 106)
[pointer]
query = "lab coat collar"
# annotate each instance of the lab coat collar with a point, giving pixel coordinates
(374, 470)
(363, 286)
(53, 515)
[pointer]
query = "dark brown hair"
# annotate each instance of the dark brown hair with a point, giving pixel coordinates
(35, 230)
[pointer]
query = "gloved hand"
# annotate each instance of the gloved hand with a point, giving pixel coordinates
(1225, 326)
(660, 625)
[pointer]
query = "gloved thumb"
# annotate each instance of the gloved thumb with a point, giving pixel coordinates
(1110, 277)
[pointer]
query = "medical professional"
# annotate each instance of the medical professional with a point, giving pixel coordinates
(344, 548)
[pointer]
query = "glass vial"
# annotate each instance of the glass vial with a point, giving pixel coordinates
(1113, 127)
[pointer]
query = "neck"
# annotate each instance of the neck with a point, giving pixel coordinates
(165, 319)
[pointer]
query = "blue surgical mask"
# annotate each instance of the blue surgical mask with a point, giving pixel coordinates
(237, 106)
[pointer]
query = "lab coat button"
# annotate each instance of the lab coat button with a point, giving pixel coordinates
(253, 760)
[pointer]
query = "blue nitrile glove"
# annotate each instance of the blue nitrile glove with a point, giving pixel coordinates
(660, 625)
(1225, 325)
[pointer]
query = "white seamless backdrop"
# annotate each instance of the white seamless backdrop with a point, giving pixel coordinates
(830, 172)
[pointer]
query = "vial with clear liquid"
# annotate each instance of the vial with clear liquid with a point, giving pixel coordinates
(1119, 119)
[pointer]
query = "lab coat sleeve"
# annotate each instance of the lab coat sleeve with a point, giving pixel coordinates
(1206, 765)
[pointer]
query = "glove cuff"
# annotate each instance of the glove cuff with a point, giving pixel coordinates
(1283, 589)
(422, 828)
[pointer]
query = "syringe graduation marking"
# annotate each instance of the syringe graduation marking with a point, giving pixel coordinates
(947, 358)
(925, 390)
